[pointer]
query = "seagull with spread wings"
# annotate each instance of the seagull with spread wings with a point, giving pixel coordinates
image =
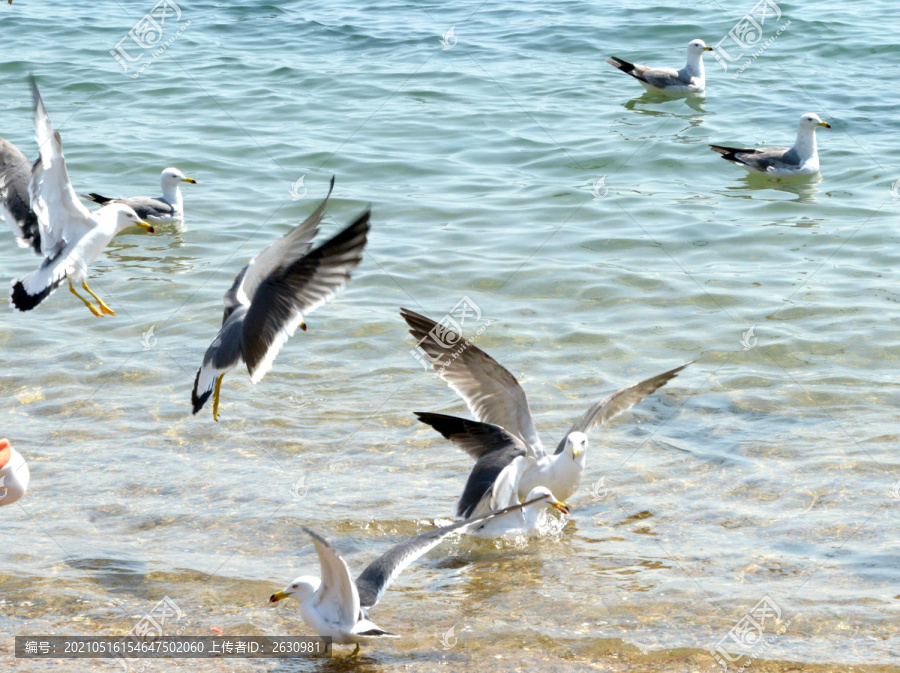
(338, 607)
(270, 296)
(505, 429)
(71, 237)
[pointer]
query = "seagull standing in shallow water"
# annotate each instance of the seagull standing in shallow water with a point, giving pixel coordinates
(505, 429)
(71, 237)
(159, 210)
(801, 159)
(269, 297)
(690, 79)
(336, 606)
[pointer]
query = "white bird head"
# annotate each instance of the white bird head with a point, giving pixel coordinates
(811, 120)
(14, 474)
(576, 447)
(172, 177)
(550, 499)
(698, 47)
(302, 589)
(123, 217)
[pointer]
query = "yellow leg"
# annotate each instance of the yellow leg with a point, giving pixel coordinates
(103, 307)
(86, 302)
(355, 652)
(216, 398)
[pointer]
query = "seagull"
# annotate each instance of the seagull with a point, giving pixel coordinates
(505, 429)
(503, 495)
(690, 79)
(13, 474)
(335, 606)
(15, 204)
(71, 237)
(159, 210)
(270, 295)
(801, 159)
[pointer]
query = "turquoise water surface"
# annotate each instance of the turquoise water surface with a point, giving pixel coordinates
(602, 242)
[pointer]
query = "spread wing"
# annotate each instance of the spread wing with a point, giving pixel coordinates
(605, 410)
(374, 580)
(286, 250)
(15, 205)
(298, 288)
(491, 392)
(62, 217)
(492, 447)
(337, 596)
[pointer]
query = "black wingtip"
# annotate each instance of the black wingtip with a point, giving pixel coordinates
(22, 301)
(198, 400)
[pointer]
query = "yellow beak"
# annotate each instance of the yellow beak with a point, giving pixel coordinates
(708, 48)
(191, 180)
(825, 124)
(561, 506)
(277, 596)
(146, 226)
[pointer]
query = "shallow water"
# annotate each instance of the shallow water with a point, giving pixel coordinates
(760, 472)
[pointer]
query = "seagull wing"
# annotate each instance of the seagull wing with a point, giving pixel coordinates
(287, 293)
(374, 580)
(491, 392)
(605, 410)
(62, 217)
(492, 447)
(504, 492)
(15, 205)
(337, 596)
(283, 252)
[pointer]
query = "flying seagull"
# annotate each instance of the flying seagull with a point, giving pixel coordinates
(336, 606)
(505, 429)
(801, 159)
(159, 210)
(690, 79)
(270, 295)
(71, 237)
(13, 474)
(15, 204)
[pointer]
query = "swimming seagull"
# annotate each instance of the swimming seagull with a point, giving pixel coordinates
(336, 606)
(15, 204)
(13, 474)
(505, 429)
(159, 210)
(71, 237)
(690, 79)
(801, 159)
(270, 295)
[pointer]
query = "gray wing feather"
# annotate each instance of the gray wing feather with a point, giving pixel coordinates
(281, 299)
(492, 447)
(605, 410)
(283, 252)
(491, 392)
(374, 580)
(15, 204)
